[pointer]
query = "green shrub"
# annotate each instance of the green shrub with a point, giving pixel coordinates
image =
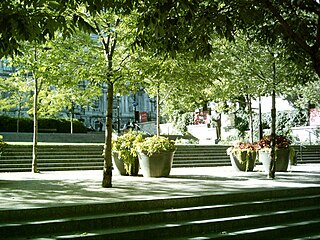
(2, 144)
(181, 120)
(125, 147)
(285, 120)
(9, 124)
(155, 144)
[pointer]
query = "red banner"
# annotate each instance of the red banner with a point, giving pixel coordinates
(143, 117)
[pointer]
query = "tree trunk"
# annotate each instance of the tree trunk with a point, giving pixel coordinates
(260, 120)
(18, 119)
(71, 118)
(107, 164)
(35, 128)
(250, 119)
(158, 110)
(109, 45)
(273, 136)
(273, 127)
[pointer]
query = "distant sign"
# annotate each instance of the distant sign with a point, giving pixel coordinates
(143, 117)
(314, 117)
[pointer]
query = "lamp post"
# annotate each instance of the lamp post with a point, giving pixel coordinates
(260, 120)
(273, 122)
(152, 108)
(118, 108)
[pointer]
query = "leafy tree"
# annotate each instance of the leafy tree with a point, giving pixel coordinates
(304, 96)
(179, 83)
(72, 84)
(267, 71)
(113, 51)
(57, 72)
(183, 25)
(15, 94)
(33, 64)
(38, 20)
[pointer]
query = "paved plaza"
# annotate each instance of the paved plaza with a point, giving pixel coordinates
(29, 190)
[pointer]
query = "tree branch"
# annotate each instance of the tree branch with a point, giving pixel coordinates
(286, 27)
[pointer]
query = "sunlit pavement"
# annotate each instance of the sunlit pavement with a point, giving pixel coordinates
(30, 190)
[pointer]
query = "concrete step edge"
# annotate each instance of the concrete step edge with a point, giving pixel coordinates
(194, 212)
(178, 228)
(166, 203)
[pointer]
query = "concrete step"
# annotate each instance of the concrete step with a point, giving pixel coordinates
(52, 157)
(177, 156)
(201, 156)
(185, 156)
(164, 218)
(49, 157)
(94, 137)
(50, 168)
(200, 159)
(307, 229)
(180, 228)
(188, 165)
(308, 154)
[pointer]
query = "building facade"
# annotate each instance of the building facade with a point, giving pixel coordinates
(135, 107)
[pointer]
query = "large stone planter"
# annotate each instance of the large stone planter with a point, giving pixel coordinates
(281, 160)
(156, 165)
(118, 162)
(243, 162)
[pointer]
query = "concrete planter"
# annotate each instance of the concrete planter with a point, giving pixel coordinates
(120, 167)
(282, 160)
(246, 163)
(156, 165)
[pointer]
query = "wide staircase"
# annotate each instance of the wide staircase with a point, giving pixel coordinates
(18, 158)
(201, 156)
(89, 157)
(57, 157)
(267, 214)
(308, 153)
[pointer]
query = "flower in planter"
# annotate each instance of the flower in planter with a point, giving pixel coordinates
(155, 156)
(283, 150)
(243, 147)
(155, 144)
(125, 147)
(281, 142)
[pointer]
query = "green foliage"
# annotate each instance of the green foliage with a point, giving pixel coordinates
(181, 120)
(8, 124)
(61, 68)
(155, 144)
(304, 95)
(285, 120)
(241, 122)
(38, 20)
(2, 145)
(125, 147)
(188, 26)
(16, 91)
(317, 134)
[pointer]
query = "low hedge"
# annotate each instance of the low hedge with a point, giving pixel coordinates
(9, 124)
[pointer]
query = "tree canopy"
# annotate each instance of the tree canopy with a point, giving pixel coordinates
(38, 20)
(182, 25)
